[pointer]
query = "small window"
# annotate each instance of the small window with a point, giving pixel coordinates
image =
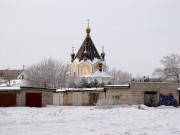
(85, 71)
(74, 71)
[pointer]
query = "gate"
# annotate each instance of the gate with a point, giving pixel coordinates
(58, 99)
(77, 98)
(34, 99)
(150, 99)
(93, 98)
(7, 99)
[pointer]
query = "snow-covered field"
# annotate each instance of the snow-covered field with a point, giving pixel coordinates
(68, 120)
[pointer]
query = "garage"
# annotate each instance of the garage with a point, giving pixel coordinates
(150, 99)
(57, 98)
(77, 98)
(7, 99)
(93, 98)
(34, 99)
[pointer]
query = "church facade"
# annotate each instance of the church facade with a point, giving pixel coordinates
(87, 60)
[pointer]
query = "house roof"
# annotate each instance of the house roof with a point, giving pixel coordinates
(89, 46)
(13, 74)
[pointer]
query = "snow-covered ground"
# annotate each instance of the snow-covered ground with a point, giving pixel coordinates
(69, 120)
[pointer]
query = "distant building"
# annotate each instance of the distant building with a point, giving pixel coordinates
(13, 74)
(26, 96)
(12, 78)
(151, 94)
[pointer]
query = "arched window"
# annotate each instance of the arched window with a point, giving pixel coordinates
(85, 71)
(74, 71)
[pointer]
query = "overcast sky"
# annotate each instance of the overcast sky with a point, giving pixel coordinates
(136, 34)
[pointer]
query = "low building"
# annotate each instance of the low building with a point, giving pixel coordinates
(78, 96)
(155, 93)
(90, 96)
(58, 97)
(148, 93)
(25, 96)
(119, 93)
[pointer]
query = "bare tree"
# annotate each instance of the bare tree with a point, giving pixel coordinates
(171, 68)
(1, 80)
(48, 73)
(8, 77)
(120, 77)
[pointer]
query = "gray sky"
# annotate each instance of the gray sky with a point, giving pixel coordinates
(136, 34)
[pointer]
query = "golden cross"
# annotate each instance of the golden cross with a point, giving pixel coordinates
(88, 22)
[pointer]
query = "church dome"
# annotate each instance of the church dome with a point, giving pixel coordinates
(88, 30)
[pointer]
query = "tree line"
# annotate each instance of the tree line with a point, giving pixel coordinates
(56, 74)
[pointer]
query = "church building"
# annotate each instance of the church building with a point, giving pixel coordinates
(87, 60)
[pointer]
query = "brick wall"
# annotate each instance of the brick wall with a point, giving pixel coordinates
(138, 90)
(128, 95)
(122, 95)
(47, 96)
(85, 98)
(68, 97)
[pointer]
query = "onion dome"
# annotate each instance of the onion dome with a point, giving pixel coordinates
(103, 54)
(87, 48)
(100, 65)
(88, 29)
(72, 55)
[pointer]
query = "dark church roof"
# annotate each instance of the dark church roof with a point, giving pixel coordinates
(90, 48)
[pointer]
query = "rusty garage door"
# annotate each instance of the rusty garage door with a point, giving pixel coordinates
(7, 99)
(34, 99)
